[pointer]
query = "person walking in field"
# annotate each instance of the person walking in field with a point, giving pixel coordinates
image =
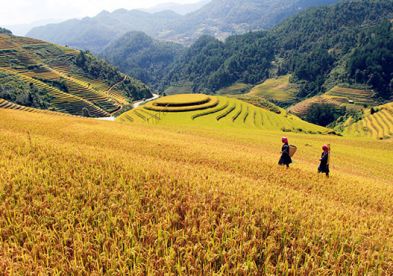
(324, 165)
(285, 158)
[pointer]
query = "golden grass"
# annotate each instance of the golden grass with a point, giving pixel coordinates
(138, 199)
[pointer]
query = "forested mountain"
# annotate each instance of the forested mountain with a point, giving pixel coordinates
(219, 18)
(41, 75)
(96, 33)
(345, 43)
(146, 59)
(222, 18)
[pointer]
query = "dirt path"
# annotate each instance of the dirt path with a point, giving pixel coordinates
(134, 105)
(116, 84)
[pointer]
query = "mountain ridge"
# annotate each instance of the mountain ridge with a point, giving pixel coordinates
(219, 18)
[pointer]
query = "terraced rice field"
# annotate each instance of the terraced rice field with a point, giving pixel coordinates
(302, 108)
(182, 103)
(63, 102)
(237, 88)
(358, 96)
(38, 62)
(217, 111)
(9, 105)
(353, 99)
(276, 90)
(377, 126)
(142, 199)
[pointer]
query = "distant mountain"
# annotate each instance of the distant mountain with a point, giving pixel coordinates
(95, 33)
(138, 55)
(23, 29)
(219, 18)
(178, 8)
(5, 31)
(348, 43)
(42, 75)
(222, 18)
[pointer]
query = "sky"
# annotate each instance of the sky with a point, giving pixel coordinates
(14, 12)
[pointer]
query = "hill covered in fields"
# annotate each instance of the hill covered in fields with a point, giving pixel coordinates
(157, 199)
(376, 122)
(219, 112)
(346, 45)
(42, 75)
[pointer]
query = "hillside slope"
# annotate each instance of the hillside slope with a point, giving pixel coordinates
(141, 199)
(222, 18)
(42, 75)
(140, 56)
(321, 48)
(218, 112)
(375, 123)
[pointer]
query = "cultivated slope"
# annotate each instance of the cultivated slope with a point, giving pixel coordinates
(352, 99)
(375, 123)
(216, 111)
(139, 199)
(42, 75)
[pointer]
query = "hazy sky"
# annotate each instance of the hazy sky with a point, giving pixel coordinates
(27, 11)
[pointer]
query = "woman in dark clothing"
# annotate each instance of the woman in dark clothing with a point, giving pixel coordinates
(324, 165)
(285, 159)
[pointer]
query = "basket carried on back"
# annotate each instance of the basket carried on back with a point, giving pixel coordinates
(292, 150)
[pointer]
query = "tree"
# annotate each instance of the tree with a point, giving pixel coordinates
(324, 114)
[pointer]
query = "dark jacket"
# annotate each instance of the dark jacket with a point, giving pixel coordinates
(324, 165)
(285, 159)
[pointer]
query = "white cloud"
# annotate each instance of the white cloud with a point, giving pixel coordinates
(26, 11)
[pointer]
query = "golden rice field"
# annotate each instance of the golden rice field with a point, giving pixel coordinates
(215, 111)
(353, 99)
(237, 88)
(302, 108)
(377, 126)
(358, 96)
(278, 89)
(81, 196)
